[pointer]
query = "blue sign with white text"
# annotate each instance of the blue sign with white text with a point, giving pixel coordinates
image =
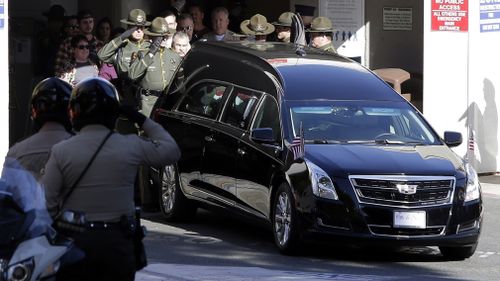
(489, 15)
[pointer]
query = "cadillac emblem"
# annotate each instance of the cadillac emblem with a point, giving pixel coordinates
(407, 188)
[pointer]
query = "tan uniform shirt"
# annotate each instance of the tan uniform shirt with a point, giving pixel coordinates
(33, 152)
(106, 191)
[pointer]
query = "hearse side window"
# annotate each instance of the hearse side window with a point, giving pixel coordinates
(204, 100)
(268, 117)
(240, 107)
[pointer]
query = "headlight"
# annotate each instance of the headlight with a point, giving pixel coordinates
(472, 191)
(21, 271)
(322, 184)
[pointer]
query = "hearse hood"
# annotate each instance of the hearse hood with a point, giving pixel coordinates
(357, 159)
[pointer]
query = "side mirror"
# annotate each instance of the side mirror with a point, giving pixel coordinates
(452, 139)
(263, 135)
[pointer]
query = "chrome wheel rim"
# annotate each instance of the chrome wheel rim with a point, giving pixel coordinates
(168, 189)
(282, 218)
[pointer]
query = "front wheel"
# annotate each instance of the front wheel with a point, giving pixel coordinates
(458, 253)
(173, 203)
(284, 221)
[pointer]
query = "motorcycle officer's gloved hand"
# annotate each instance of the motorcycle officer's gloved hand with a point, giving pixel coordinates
(155, 45)
(127, 33)
(132, 114)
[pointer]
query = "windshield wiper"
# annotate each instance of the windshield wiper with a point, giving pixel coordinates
(387, 141)
(321, 141)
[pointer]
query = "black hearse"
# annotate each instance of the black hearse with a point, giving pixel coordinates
(313, 143)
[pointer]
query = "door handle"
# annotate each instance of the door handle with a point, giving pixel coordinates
(241, 151)
(209, 138)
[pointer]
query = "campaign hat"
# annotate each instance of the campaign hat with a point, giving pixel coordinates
(159, 28)
(285, 19)
(256, 25)
(321, 24)
(55, 12)
(136, 17)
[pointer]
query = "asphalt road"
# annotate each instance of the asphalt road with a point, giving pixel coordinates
(218, 247)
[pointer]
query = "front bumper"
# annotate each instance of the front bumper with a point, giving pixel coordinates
(450, 225)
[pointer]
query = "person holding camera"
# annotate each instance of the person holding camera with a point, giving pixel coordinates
(94, 173)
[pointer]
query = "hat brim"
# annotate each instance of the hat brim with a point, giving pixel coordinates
(319, 31)
(170, 31)
(282, 24)
(127, 22)
(244, 26)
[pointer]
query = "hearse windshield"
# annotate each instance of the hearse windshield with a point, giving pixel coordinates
(359, 122)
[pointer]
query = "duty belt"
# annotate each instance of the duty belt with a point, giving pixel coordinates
(148, 92)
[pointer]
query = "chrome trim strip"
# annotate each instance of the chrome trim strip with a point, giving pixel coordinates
(407, 236)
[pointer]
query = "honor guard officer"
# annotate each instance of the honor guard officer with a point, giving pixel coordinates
(121, 51)
(155, 68)
(104, 191)
(284, 27)
(321, 33)
(49, 112)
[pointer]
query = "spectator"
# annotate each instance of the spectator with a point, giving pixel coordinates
(70, 27)
(180, 43)
(104, 27)
(171, 19)
(283, 27)
(199, 28)
(65, 53)
(220, 23)
(257, 27)
(185, 24)
(80, 66)
(49, 41)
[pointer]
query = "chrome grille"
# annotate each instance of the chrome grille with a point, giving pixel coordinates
(403, 191)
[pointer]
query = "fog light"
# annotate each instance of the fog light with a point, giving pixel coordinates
(20, 271)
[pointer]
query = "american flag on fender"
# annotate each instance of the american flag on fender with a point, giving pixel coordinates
(297, 145)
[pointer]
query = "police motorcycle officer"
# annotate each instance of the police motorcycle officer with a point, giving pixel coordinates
(104, 193)
(120, 52)
(48, 106)
(154, 70)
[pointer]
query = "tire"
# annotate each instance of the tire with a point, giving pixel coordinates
(285, 221)
(174, 205)
(458, 253)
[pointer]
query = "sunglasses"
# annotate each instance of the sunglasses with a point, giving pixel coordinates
(185, 28)
(81, 47)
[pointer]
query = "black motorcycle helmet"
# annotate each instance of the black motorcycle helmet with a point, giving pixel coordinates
(49, 102)
(94, 101)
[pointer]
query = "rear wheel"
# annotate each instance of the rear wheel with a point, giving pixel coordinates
(284, 221)
(173, 203)
(458, 253)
